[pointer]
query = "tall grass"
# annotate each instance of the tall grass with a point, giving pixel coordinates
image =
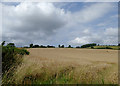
(56, 73)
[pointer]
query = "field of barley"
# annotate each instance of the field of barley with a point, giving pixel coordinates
(68, 66)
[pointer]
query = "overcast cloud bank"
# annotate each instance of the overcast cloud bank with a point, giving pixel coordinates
(46, 23)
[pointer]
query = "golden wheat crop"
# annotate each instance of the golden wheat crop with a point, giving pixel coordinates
(68, 66)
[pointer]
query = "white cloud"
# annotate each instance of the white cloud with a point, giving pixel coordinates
(86, 31)
(29, 21)
(92, 12)
(79, 41)
(32, 16)
(111, 32)
(37, 22)
(86, 40)
(109, 36)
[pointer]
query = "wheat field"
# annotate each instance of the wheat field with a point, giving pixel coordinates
(68, 66)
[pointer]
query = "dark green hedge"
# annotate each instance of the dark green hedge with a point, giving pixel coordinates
(11, 56)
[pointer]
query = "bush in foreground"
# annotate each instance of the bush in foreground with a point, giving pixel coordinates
(11, 58)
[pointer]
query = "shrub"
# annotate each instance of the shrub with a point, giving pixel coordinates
(109, 48)
(78, 47)
(92, 47)
(11, 56)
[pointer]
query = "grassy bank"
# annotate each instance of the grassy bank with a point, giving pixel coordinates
(106, 47)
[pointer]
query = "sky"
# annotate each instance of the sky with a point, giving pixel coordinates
(74, 23)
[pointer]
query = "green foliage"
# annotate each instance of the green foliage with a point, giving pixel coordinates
(77, 46)
(62, 46)
(11, 56)
(21, 51)
(103, 47)
(92, 47)
(11, 44)
(3, 43)
(70, 46)
(48, 46)
(59, 46)
(88, 45)
(31, 45)
(43, 46)
(36, 46)
(108, 48)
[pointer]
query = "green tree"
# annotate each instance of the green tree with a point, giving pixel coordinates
(3, 43)
(62, 46)
(11, 44)
(69, 46)
(59, 46)
(36, 46)
(31, 45)
(88, 45)
(119, 44)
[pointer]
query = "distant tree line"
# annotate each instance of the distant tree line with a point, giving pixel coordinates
(88, 45)
(41, 46)
(91, 45)
(62, 46)
(48, 46)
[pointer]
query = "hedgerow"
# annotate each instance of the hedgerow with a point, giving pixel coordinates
(11, 56)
